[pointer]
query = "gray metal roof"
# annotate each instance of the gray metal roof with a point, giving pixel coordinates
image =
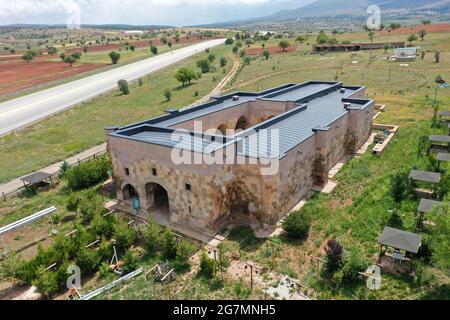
(400, 239)
(444, 114)
(425, 176)
(443, 157)
(36, 177)
(319, 105)
(427, 205)
(440, 138)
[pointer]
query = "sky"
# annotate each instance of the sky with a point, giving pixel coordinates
(139, 12)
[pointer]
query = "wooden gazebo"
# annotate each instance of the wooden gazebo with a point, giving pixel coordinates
(426, 177)
(400, 240)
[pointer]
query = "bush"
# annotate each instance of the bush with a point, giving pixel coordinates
(400, 186)
(334, 252)
(123, 87)
(352, 264)
(229, 41)
(154, 50)
(207, 265)
(184, 251)
(88, 260)
(223, 62)
(130, 261)
(115, 57)
(91, 204)
(204, 65)
(297, 225)
(152, 237)
(241, 290)
(11, 266)
(169, 245)
(87, 174)
(211, 57)
(73, 202)
(46, 282)
(124, 235)
(168, 94)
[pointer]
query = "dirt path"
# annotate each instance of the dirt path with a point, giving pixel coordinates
(222, 84)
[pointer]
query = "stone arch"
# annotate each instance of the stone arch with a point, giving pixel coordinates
(157, 197)
(128, 192)
(242, 124)
(223, 129)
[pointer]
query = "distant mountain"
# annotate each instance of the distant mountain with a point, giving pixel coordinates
(322, 8)
(92, 26)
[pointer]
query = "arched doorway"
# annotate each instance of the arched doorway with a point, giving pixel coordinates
(157, 197)
(129, 192)
(242, 123)
(223, 129)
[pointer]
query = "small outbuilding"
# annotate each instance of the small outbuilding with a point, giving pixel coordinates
(38, 179)
(401, 241)
(404, 54)
(427, 206)
(425, 177)
(439, 143)
(444, 117)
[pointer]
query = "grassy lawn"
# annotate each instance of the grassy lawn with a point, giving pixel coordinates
(81, 127)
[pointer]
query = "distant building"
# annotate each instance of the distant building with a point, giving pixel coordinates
(404, 54)
(319, 48)
(134, 32)
(309, 127)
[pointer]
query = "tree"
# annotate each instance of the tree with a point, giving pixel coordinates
(12, 51)
(284, 45)
(132, 48)
(169, 245)
(52, 51)
(297, 225)
(184, 252)
(123, 87)
(371, 35)
(204, 65)
(114, 56)
(87, 174)
(76, 55)
(70, 60)
(29, 56)
(62, 56)
(46, 283)
(322, 37)
(152, 237)
(426, 22)
(235, 49)
(266, 54)
(229, 41)
(185, 75)
(422, 55)
(211, 57)
(223, 262)
(387, 46)
(10, 267)
(154, 50)
(247, 60)
(207, 265)
(422, 34)
(411, 39)
(168, 94)
(223, 62)
(85, 49)
(130, 261)
(169, 43)
(334, 252)
(124, 235)
(400, 186)
(437, 56)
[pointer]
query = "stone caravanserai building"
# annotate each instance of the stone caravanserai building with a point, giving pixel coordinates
(307, 127)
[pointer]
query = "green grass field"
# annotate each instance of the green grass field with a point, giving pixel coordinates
(81, 127)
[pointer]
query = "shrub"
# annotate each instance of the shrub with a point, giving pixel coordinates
(211, 57)
(91, 204)
(152, 237)
(207, 265)
(130, 261)
(123, 87)
(204, 65)
(241, 290)
(88, 260)
(223, 62)
(76, 55)
(184, 252)
(168, 94)
(46, 283)
(400, 186)
(297, 225)
(352, 265)
(334, 252)
(154, 50)
(266, 54)
(73, 202)
(124, 235)
(114, 56)
(169, 245)
(229, 41)
(11, 266)
(87, 174)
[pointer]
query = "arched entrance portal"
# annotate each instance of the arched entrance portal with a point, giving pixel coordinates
(129, 192)
(242, 123)
(223, 129)
(157, 197)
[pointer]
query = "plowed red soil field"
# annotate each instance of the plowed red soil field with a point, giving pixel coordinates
(444, 27)
(20, 75)
(272, 50)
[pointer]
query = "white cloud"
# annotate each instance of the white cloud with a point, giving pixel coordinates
(133, 11)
